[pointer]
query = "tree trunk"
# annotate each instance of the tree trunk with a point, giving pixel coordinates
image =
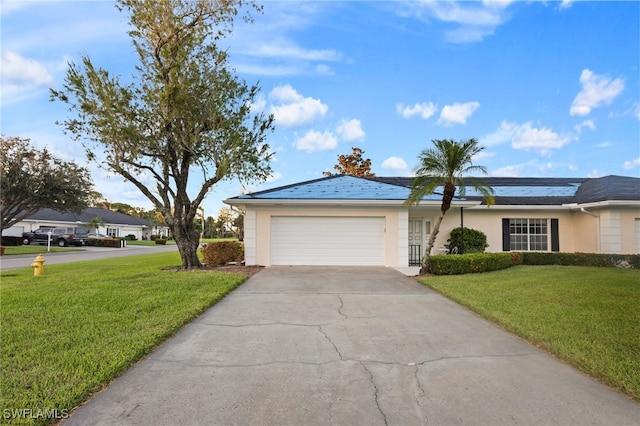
(187, 239)
(447, 197)
(424, 263)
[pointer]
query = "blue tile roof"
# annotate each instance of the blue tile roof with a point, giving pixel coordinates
(339, 187)
(507, 191)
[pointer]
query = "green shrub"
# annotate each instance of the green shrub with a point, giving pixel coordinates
(104, 242)
(484, 262)
(474, 241)
(222, 252)
(582, 259)
(130, 237)
(472, 263)
(8, 240)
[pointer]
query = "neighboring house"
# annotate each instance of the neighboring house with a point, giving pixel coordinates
(345, 220)
(115, 224)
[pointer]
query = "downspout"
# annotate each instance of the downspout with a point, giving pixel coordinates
(583, 210)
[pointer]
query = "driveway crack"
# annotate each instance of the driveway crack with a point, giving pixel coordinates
(373, 382)
(326, 336)
(341, 307)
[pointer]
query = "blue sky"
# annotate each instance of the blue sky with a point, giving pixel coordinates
(549, 88)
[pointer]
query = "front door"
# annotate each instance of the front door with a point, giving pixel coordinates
(415, 242)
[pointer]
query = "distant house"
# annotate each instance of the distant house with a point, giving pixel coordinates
(345, 220)
(115, 224)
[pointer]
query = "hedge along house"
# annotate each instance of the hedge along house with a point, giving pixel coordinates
(116, 224)
(345, 220)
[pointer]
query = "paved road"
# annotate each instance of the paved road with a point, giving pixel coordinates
(85, 253)
(349, 346)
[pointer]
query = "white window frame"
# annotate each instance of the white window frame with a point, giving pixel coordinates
(534, 234)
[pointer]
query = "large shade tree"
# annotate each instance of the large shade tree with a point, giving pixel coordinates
(445, 166)
(184, 113)
(32, 180)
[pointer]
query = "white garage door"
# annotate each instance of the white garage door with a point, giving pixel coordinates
(357, 241)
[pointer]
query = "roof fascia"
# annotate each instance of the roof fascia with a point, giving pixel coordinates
(608, 203)
(524, 207)
(337, 202)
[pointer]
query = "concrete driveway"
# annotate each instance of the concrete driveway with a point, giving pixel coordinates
(349, 346)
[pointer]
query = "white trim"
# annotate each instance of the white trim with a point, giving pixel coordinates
(250, 237)
(608, 203)
(403, 237)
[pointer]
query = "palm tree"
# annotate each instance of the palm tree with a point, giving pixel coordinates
(95, 223)
(444, 166)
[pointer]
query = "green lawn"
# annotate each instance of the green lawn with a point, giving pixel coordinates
(70, 331)
(589, 317)
(35, 249)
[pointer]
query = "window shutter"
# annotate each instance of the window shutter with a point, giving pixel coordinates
(505, 235)
(555, 239)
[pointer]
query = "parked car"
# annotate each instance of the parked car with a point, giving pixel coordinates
(40, 234)
(97, 236)
(63, 236)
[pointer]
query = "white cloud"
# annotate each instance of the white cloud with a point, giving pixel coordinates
(483, 155)
(504, 134)
(21, 77)
(565, 4)
(285, 94)
(294, 109)
(274, 177)
(457, 113)
(287, 49)
(597, 90)
(473, 21)
(259, 104)
(525, 136)
(628, 165)
(424, 110)
(396, 165)
(351, 130)
(468, 34)
(509, 171)
(587, 123)
(544, 139)
(314, 141)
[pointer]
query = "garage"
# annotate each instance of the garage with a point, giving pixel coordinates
(303, 240)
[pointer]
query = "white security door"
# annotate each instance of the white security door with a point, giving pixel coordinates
(349, 241)
(415, 241)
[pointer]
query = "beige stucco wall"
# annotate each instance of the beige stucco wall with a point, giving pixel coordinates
(616, 229)
(611, 230)
(258, 229)
(576, 230)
